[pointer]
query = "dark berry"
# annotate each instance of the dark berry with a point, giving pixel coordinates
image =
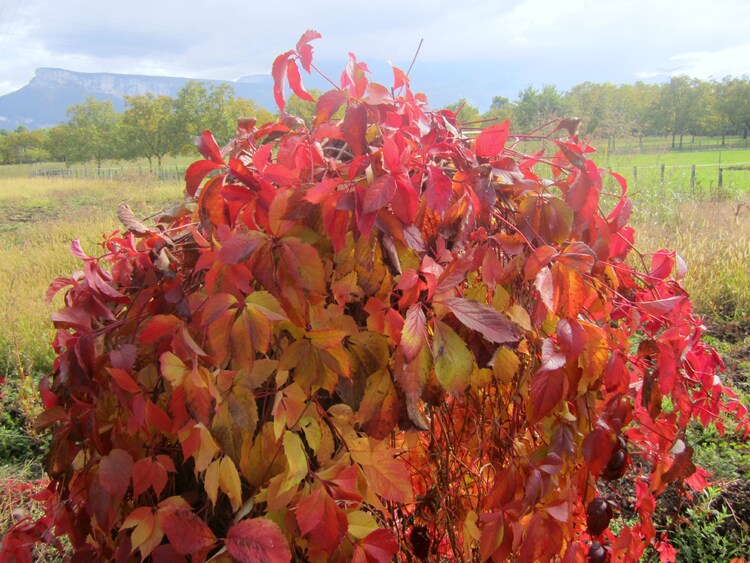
(597, 553)
(598, 515)
(420, 542)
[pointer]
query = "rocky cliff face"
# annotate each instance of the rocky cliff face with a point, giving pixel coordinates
(107, 83)
(44, 101)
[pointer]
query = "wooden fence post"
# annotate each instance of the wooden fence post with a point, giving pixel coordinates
(721, 174)
(662, 175)
(635, 176)
(692, 179)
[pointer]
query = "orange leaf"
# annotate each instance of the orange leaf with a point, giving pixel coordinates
(257, 539)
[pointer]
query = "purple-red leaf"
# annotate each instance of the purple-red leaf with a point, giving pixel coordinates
(114, 472)
(491, 324)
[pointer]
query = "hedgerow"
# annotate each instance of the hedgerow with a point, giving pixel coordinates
(375, 337)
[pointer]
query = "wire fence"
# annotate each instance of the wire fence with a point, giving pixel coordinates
(164, 174)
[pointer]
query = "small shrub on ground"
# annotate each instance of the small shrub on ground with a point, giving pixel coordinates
(369, 338)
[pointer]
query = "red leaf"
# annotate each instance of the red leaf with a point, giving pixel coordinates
(376, 94)
(491, 324)
(597, 449)
(257, 539)
(538, 260)
(322, 520)
(196, 172)
(662, 263)
(378, 194)
(547, 390)
(278, 72)
(491, 141)
(56, 286)
(400, 78)
(295, 81)
(280, 175)
(328, 104)
(355, 129)
(185, 530)
(240, 247)
(207, 146)
(439, 190)
(76, 250)
(114, 472)
(123, 379)
(160, 326)
(304, 50)
(380, 546)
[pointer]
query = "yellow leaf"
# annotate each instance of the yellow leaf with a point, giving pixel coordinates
(312, 432)
(454, 363)
(173, 369)
(360, 524)
(505, 364)
(206, 450)
(211, 481)
(259, 460)
(147, 535)
(297, 467)
(520, 316)
(229, 482)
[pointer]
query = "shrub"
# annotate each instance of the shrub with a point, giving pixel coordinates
(369, 338)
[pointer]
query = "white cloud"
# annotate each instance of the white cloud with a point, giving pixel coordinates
(733, 61)
(226, 40)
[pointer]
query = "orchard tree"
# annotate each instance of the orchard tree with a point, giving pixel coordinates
(148, 127)
(371, 338)
(95, 130)
(535, 108)
(199, 107)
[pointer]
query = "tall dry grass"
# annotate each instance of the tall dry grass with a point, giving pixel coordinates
(38, 220)
(714, 239)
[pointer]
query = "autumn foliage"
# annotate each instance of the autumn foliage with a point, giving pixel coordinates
(374, 337)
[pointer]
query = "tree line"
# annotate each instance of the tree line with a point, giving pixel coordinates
(152, 127)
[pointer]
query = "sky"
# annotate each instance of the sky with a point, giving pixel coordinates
(509, 44)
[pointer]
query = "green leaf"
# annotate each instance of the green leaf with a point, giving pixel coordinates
(454, 363)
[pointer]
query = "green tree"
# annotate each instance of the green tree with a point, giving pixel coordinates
(535, 108)
(676, 108)
(23, 146)
(95, 129)
(148, 126)
(198, 108)
(734, 104)
(501, 109)
(60, 145)
(465, 112)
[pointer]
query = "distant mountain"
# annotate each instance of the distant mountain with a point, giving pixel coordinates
(43, 102)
